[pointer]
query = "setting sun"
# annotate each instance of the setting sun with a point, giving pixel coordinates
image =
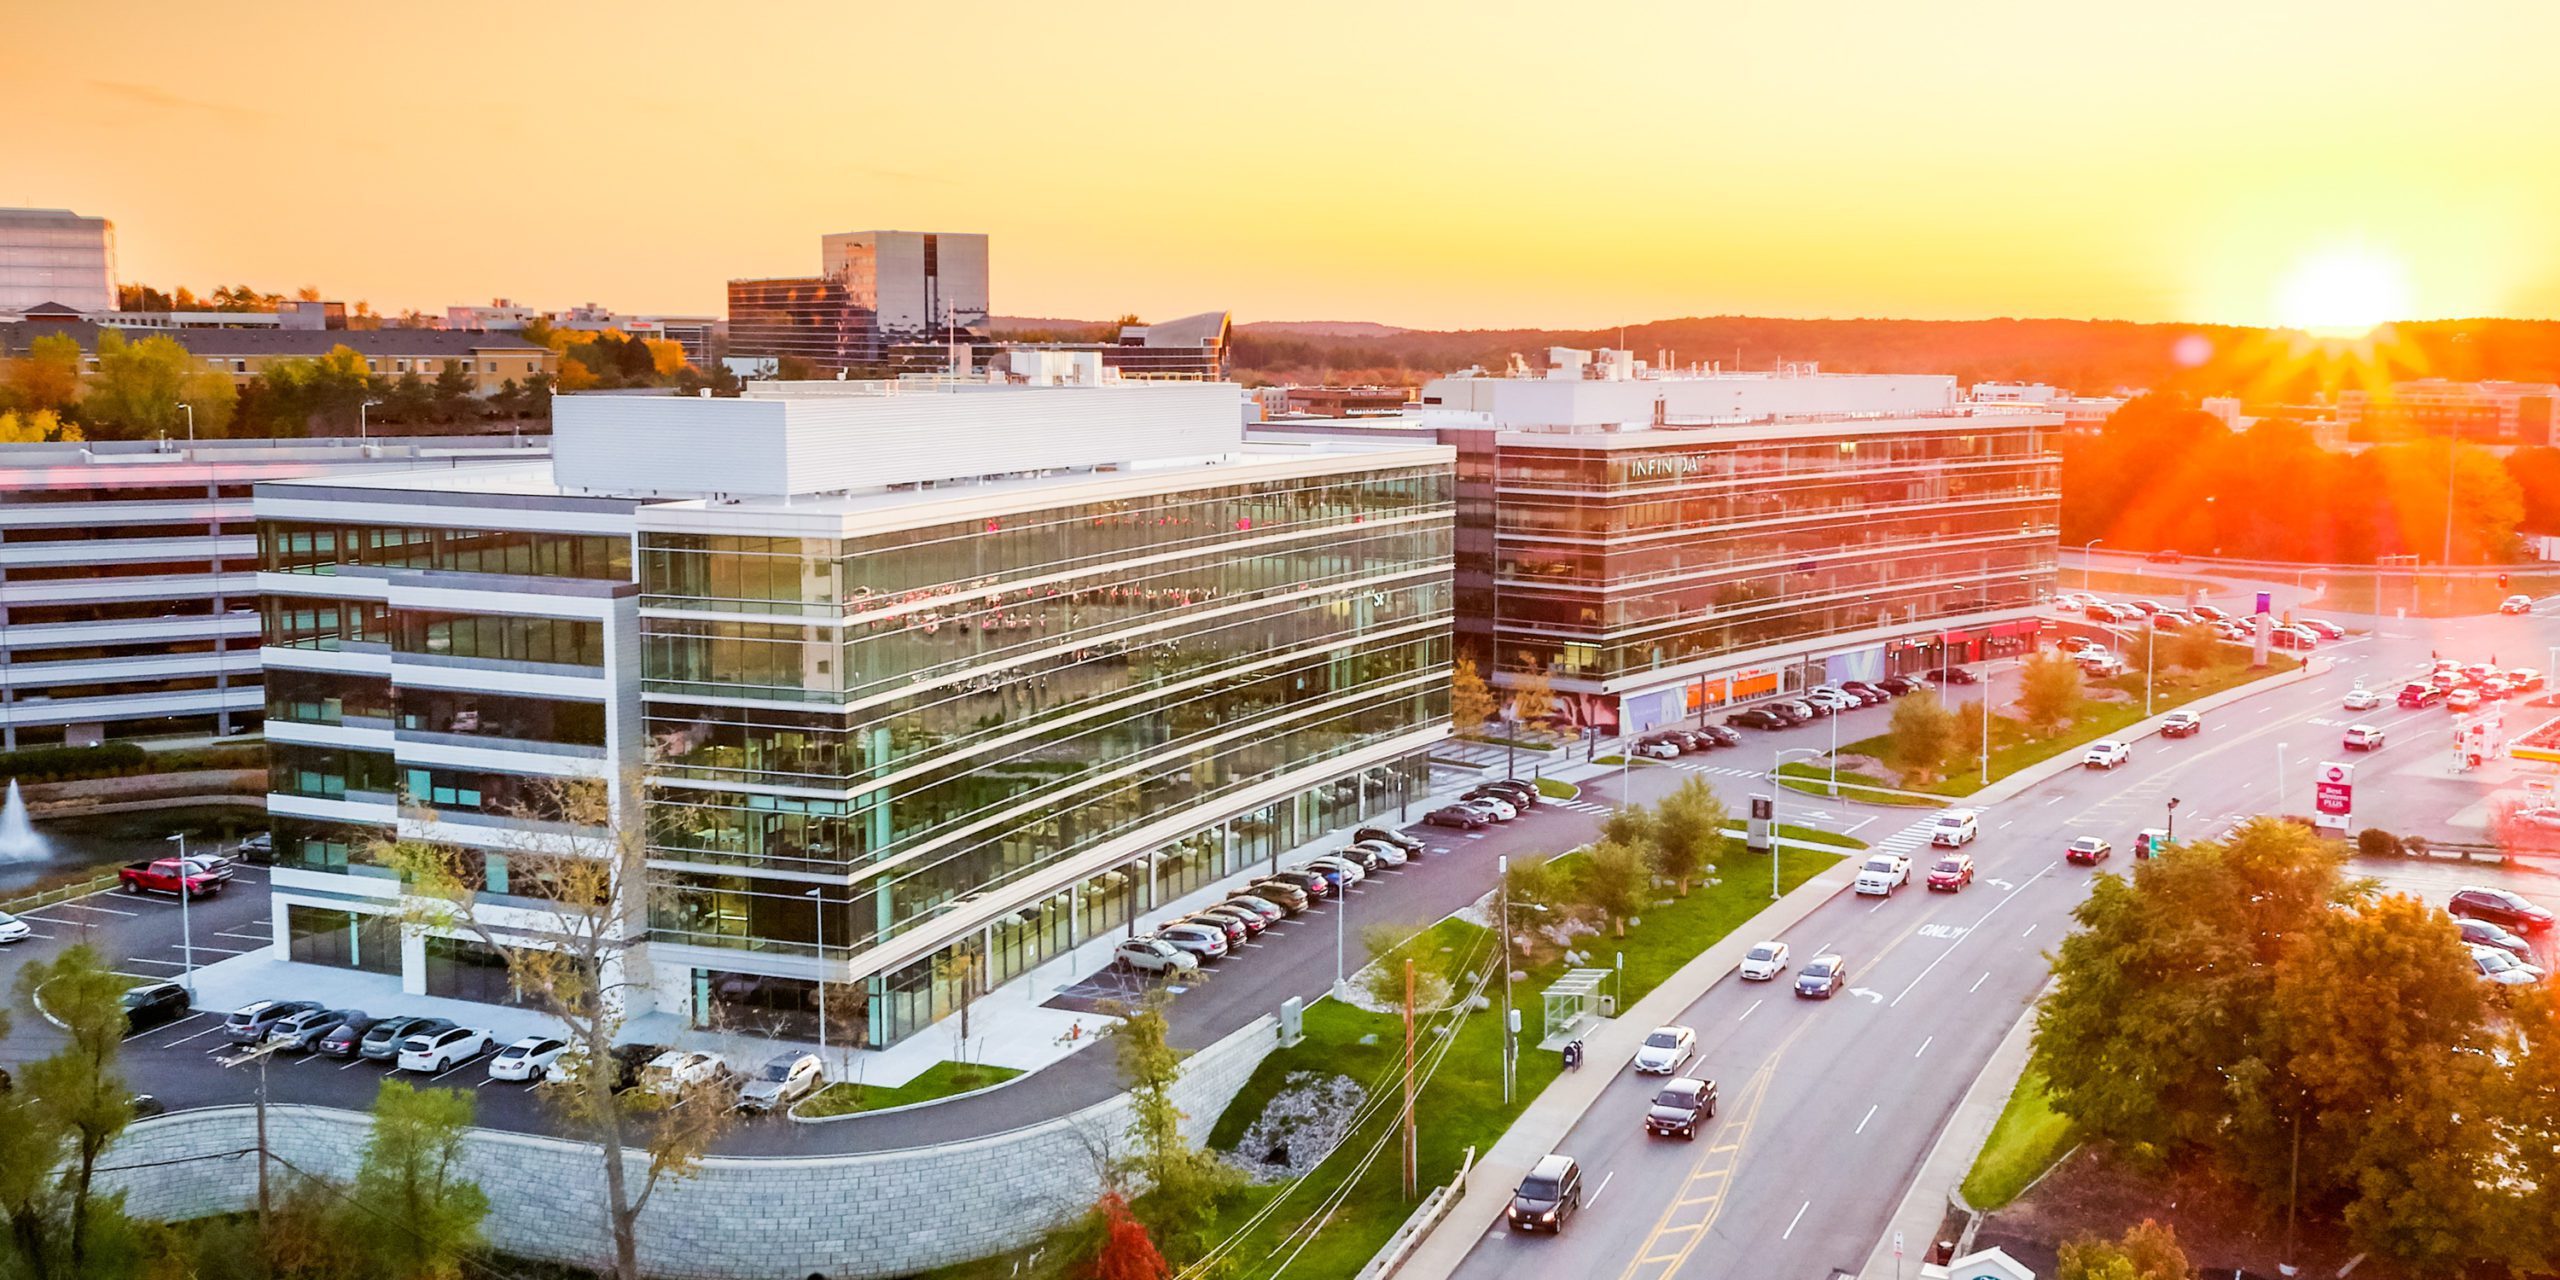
(2343, 291)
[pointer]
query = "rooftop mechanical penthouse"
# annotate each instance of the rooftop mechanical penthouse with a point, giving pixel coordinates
(920, 669)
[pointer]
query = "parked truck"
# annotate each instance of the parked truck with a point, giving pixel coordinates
(167, 875)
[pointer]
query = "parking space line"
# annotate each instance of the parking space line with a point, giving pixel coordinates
(457, 1066)
(1862, 1128)
(174, 964)
(227, 951)
(82, 906)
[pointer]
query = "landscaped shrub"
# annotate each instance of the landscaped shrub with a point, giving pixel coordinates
(2374, 842)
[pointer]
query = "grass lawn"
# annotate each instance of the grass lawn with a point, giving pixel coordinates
(941, 1080)
(1816, 781)
(2025, 1142)
(2014, 748)
(1461, 1105)
(1554, 790)
(2158, 585)
(1816, 835)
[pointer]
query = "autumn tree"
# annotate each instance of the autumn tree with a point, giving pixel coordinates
(415, 1208)
(1533, 697)
(136, 390)
(1687, 831)
(2049, 691)
(36, 426)
(46, 377)
(577, 851)
(1470, 701)
(64, 1111)
(1921, 735)
(2146, 1252)
(1126, 1251)
(1185, 1184)
(1613, 882)
(2194, 647)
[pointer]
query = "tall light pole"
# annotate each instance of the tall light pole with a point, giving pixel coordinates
(2150, 660)
(186, 925)
(818, 905)
(1777, 785)
(1502, 873)
(362, 431)
(2085, 566)
(190, 411)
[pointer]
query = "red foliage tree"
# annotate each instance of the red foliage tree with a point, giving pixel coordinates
(1127, 1252)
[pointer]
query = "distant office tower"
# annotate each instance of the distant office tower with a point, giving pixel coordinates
(57, 256)
(875, 290)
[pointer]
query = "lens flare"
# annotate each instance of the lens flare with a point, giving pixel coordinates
(2344, 291)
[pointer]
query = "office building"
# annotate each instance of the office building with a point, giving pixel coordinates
(128, 580)
(491, 360)
(2483, 412)
(921, 669)
(1659, 545)
(875, 291)
(1195, 348)
(56, 256)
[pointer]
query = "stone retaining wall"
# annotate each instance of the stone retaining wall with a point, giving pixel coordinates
(869, 1214)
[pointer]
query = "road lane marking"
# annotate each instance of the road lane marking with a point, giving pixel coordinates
(1862, 1120)
(2005, 900)
(2006, 825)
(1595, 1191)
(1924, 1046)
(1790, 1233)
(2055, 801)
(1977, 983)
(1755, 1008)
(2030, 929)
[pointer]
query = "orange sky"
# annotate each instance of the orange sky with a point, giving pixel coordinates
(1439, 165)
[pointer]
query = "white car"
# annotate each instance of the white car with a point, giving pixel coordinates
(1351, 872)
(2546, 818)
(527, 1059)
(1198, 939)
(442, 1049)
(1837, 699)
(1386, 853)
(1884, 873)
(1662, 1052)
(2363, 737)
(2499, 968)
(2362, 699)
(1765, 961)
(1501, 809)
(2106, 753)
(784, 1078)
(1655, 749)
(13, 929)
(2516, 604)
(1955, 828)
(1151, 954)
(677, 1068)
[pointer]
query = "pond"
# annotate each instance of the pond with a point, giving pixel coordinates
(104, 841)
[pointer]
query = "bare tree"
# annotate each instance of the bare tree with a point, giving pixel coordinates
(574, 858)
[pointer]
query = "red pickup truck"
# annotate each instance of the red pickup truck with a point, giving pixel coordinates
(163, 875)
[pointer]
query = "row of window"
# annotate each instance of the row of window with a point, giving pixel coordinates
(286, 546)
(502, 637)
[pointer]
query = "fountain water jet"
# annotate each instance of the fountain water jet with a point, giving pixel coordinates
(19, 841)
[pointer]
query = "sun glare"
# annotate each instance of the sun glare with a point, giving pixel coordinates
(2343, 292)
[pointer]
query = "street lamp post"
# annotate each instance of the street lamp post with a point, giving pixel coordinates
(819, 905)
(190, 411)
(1777, 785)
(2085, 567)
(362, 431)
(2150, 662)
(1502, 873)
(2172, 829)
(186, 926)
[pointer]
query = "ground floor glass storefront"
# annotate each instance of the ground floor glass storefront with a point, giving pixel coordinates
(363, 940)
(882, 1009)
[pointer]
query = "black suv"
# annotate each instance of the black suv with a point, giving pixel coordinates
(1719, 735)
(150, 1006)
(1549, 1195)
(1681, 1107)
(1408, 843)
(2500, 907)
(1522, 795)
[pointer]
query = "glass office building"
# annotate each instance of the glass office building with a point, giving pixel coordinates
(951, 713)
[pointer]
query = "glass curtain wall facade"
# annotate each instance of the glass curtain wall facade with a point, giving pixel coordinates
(925, 718)
(1616, 563)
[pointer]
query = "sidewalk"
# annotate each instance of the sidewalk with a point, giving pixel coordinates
(1549, 1116)
(1924, 1205)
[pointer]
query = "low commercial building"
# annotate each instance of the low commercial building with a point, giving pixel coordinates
(490, 360)
(2485, 412)
(128, 579)
(912, 672)
(1656, 546)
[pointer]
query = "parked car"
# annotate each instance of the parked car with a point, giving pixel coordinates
(1313, 884)
(1900, 685)
(2503, 907)
(1362, 856)
(1719, 735)
(1652, 749)
(1683, 1103)
(300, 1031)
(2146, 607)
(1954, 675)
(444, 1049)
(2516, 604)
(1873, 693)
(2363, 737)
(1822, 977)
(1665, 1049)
(153, 1004)
(2087, 851)
(1406, 841)
(2420, 695)
(1765, 961)
(2125, 615)
(1289, 897)
(258, 847)
(1459, 816)
(1345, 873)
(13, 929)
(383, 1039)
(1503, 807)
(1226, 926)
(2099, 611)
(1249, 920)
(1883, 873)
(251, 1022)
(2362, 699)
(2483, 933)
(529, 1059)
(630, 1060)
(1201, 941)
(1148, 953)
(2209, 613)
(2170, 620)
(166, 875)
(1522, 794)
(2500, 969)
(1834, 700)
(784, 1078)
(144, 1106)
(2181, 724)
(1953, 872)
(214, 866)
(2105, 753)
(1388, 855)
(1803, 711)
(2322, 628)
(678, 1069)
(2291, 638)
(1271, 911)
(2524, 679)
(1550, 1194)
(1955, 829)
(344, 1039)
(1758, 718)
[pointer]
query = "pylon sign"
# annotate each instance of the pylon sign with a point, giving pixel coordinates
(2334, 795)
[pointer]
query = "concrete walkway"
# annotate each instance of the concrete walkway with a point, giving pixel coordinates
(1557, 1108)
(1924, 1205)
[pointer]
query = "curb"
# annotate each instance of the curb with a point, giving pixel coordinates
(792, 1112)
(1565, 1100)
(1959, 1141)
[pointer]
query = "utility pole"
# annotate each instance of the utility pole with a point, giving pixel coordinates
(1412, 1152)
(819, 906)
(186, 923)
(1502, 868)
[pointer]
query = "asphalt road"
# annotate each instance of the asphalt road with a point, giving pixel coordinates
(1829, 1107)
